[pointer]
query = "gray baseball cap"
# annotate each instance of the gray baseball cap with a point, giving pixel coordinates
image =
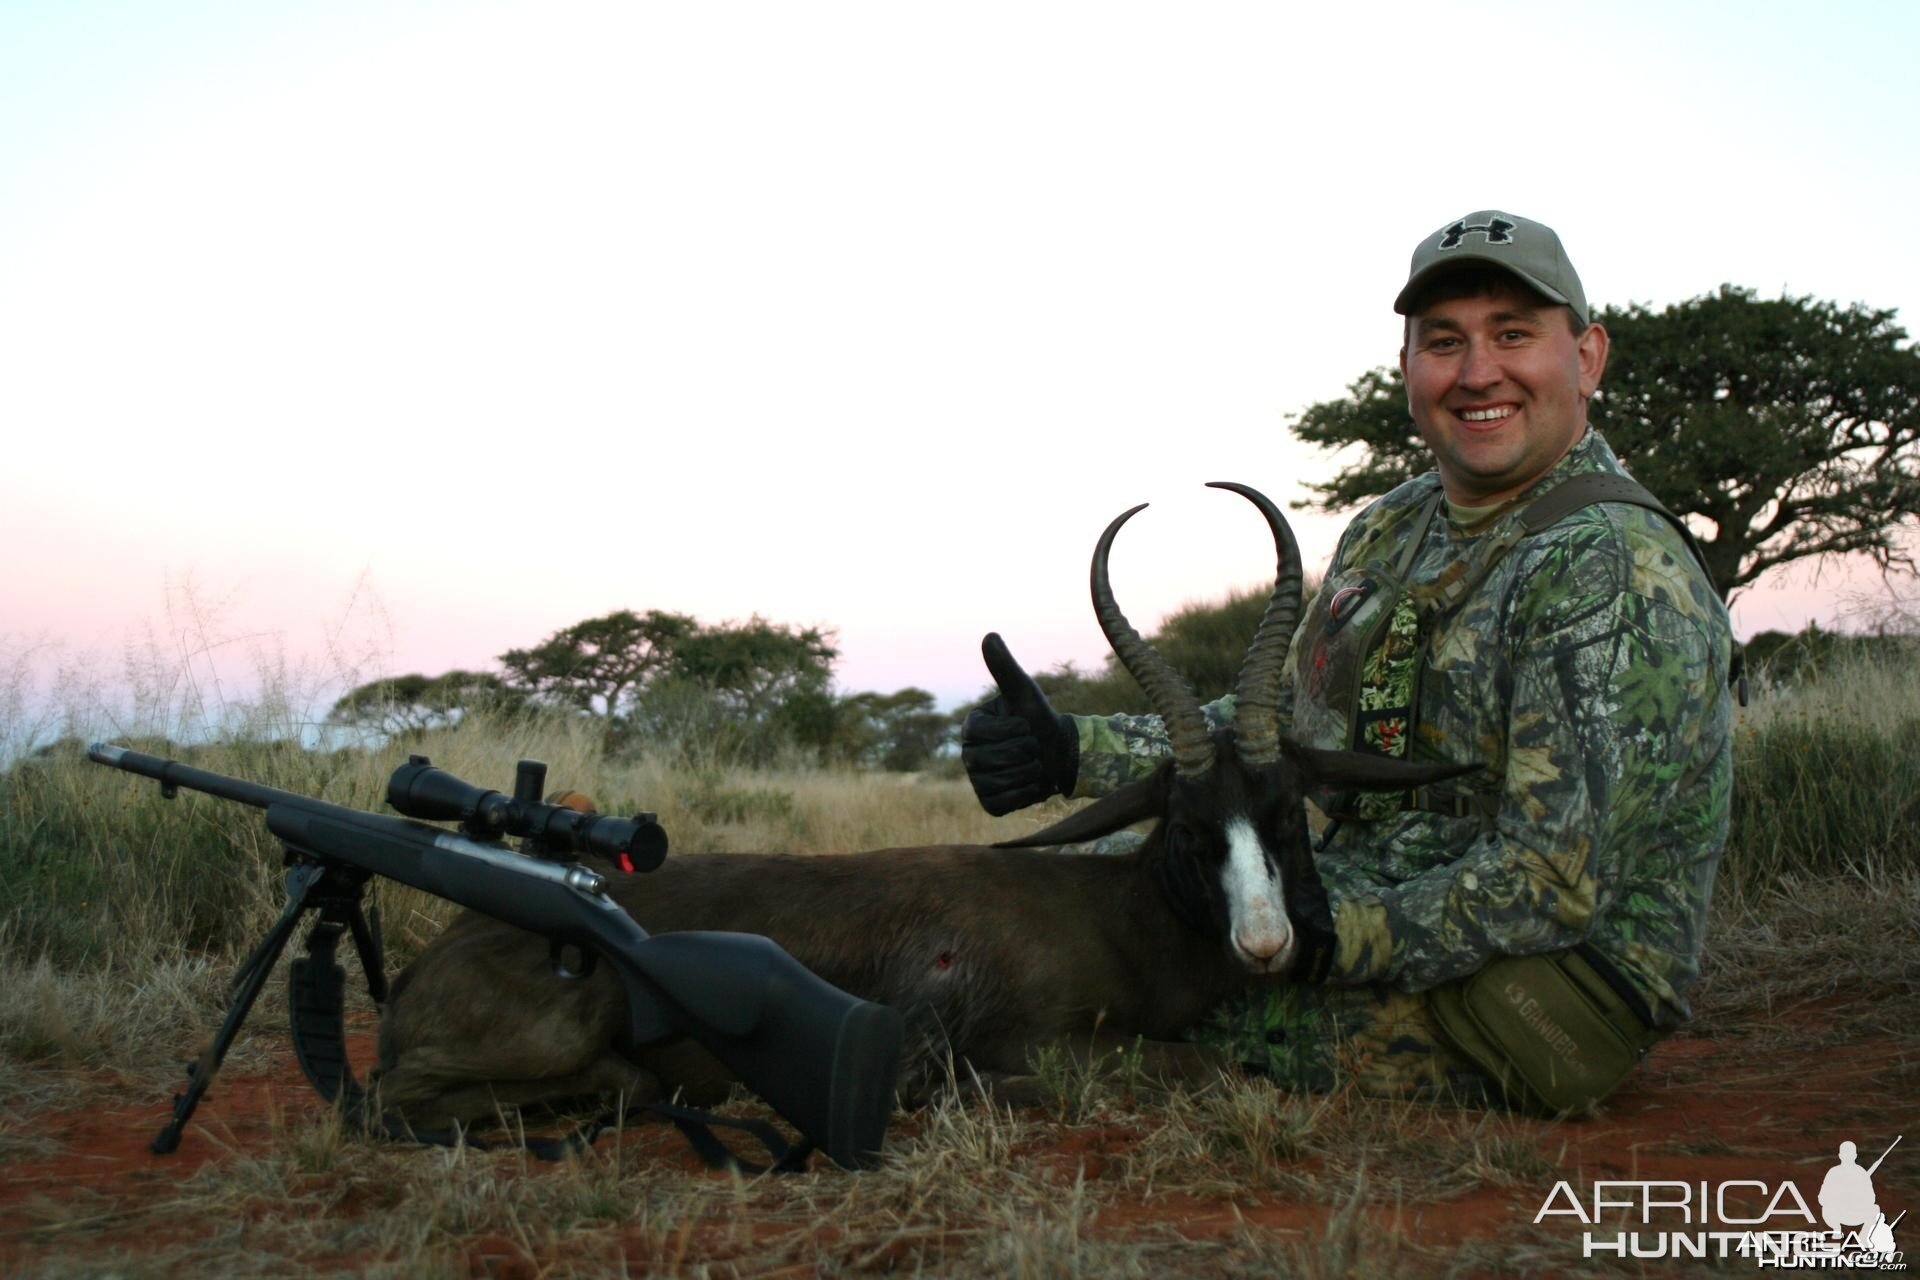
(1526, 248)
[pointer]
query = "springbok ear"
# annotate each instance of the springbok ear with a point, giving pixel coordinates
(1146, 798)
(1367, 771)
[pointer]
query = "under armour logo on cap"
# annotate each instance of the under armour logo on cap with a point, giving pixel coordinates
(1496, 230)
(1505, 241)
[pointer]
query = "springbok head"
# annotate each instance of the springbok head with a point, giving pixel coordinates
(1232, 830)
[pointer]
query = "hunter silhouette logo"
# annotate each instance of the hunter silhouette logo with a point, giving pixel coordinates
(1847, 1200)
(1497, 231)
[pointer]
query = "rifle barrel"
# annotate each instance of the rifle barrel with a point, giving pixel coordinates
(171, 773)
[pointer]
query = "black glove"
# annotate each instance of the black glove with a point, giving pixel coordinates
(1311, 916)
(1017, 749)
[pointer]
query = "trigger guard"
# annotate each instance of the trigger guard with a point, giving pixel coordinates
(557, 958)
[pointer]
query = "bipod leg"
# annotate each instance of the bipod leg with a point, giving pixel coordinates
(316, 986)
(245, 989)
(372, 950)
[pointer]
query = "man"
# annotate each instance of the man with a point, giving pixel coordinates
(1533, 928)
(1846, 1194)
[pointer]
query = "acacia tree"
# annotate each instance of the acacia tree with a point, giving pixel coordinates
(753, 666)
(416, 703)
(1792, 425)
(600, 665)
(900, 731)
(741, 691)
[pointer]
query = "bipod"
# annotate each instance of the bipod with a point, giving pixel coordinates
(315, 985)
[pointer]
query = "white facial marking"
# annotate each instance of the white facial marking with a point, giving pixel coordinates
(1256, 907)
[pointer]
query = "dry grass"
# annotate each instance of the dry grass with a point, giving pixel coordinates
(954, 1197)
(100, 996)
(964, 1189)
(1812, 938)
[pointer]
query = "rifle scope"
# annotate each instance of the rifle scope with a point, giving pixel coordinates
(420, 790)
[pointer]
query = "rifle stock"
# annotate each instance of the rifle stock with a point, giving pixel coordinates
(823, 1059)
(820, 1057)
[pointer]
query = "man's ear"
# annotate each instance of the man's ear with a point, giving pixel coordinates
(1593, 346)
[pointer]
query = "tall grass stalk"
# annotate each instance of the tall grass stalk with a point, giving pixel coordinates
(1821, 777)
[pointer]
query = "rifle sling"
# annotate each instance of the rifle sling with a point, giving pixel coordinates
(315, 987)
(316, 982)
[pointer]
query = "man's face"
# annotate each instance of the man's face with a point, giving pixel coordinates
(1498, 387)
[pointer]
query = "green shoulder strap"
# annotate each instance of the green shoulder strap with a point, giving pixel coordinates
(1590, 487)
(1569, 496)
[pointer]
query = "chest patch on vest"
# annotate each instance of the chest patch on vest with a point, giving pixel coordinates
(1385, 713)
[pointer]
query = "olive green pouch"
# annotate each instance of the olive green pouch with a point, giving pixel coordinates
(1549, 1029)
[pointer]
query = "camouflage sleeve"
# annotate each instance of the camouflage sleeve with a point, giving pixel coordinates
(1114, 750)
(1615, 737)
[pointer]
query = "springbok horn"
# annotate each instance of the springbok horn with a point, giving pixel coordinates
(1172, 697)
(1256, 716)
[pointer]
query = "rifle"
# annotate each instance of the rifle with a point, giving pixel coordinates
(825, 1060)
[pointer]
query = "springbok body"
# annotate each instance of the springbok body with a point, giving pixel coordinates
(987, 977)
(989, 953)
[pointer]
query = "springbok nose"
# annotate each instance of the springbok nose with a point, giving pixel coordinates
(1263, 951)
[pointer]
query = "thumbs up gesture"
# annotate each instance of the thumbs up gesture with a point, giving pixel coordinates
(1017, 750)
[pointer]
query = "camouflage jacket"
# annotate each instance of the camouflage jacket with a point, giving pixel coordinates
(1587, 673)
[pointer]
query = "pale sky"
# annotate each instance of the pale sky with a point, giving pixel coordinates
(418, 331)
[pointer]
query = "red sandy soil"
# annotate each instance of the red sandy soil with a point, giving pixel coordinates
(1698, 1109)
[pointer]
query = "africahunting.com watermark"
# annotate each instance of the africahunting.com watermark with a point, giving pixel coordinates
(1668, 1219)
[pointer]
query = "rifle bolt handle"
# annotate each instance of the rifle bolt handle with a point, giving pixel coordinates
(587, 881)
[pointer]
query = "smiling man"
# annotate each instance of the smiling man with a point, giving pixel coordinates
(1498, 370)
(1529, 931)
